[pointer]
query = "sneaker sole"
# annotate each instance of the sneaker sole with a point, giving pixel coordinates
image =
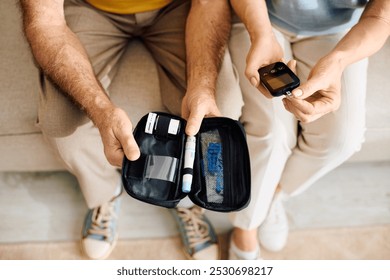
(189, 257)
(104, 256)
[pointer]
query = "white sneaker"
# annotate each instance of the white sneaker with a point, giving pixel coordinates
(273, 232)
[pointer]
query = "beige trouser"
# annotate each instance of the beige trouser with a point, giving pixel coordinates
(283, 150)
(105, 37)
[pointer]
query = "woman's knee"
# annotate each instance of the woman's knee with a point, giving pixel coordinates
(228, 94)
(335, 146)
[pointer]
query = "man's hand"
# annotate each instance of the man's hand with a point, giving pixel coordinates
(320, 95)
(264, 51)
(196, 105)
(116, 131)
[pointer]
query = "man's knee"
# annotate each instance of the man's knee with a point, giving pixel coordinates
(58, 116)
(73, 149)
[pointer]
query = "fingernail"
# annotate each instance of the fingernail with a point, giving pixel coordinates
(298, 93)
(294, 63)
(190, 130)
(254, 81)
(134, 155)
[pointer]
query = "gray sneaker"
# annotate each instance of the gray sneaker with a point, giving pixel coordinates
(198, 236)
(99, 234)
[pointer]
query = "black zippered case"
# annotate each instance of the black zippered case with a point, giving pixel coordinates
(221, 173)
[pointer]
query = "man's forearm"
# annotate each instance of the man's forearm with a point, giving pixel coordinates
(367, 36)
(207, 32)
(63, 59)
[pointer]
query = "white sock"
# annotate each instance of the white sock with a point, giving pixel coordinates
(244, 255)
(185, 203)
(118, 190)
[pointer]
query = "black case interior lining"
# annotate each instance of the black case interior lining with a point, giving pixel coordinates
(221, 173)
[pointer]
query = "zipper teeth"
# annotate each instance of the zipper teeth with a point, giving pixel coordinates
(234, 175)
(228, 173)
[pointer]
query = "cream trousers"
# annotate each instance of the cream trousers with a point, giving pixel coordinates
(284, 151)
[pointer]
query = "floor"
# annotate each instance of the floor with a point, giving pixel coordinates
(345, 215)
(361, 243)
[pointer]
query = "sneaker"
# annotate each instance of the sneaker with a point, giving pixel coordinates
(273, 232)
(197, 234)
(237, 254)
(100, 230)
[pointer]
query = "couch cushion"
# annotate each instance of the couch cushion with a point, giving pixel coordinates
(377, 144)
(18, 76)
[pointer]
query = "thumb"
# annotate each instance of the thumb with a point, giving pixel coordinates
(292, 64)
(252, 66)
(129, 145)
(252, 74)
(131, 149)
(307, 89)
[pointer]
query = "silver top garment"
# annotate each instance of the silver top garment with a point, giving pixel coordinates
(315, 17)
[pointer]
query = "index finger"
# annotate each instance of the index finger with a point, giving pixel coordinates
(195, 120)
(197, 115)
(311, 106)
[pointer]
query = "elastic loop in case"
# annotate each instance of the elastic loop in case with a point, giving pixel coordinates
(161, 168)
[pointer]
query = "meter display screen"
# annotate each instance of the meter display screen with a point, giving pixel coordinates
(280, 81)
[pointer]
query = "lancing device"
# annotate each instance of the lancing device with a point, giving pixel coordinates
(189, 156)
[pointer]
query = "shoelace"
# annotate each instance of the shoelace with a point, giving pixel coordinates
(197, 229)
(101, 220)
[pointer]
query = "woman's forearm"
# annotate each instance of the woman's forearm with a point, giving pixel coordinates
(367, 36)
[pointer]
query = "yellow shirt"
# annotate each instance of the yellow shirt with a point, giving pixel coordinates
(128, 6)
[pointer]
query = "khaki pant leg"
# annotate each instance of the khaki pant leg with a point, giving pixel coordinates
(70, 132)
(166, 41)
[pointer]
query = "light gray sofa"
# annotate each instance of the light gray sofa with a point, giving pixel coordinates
(22, 147)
